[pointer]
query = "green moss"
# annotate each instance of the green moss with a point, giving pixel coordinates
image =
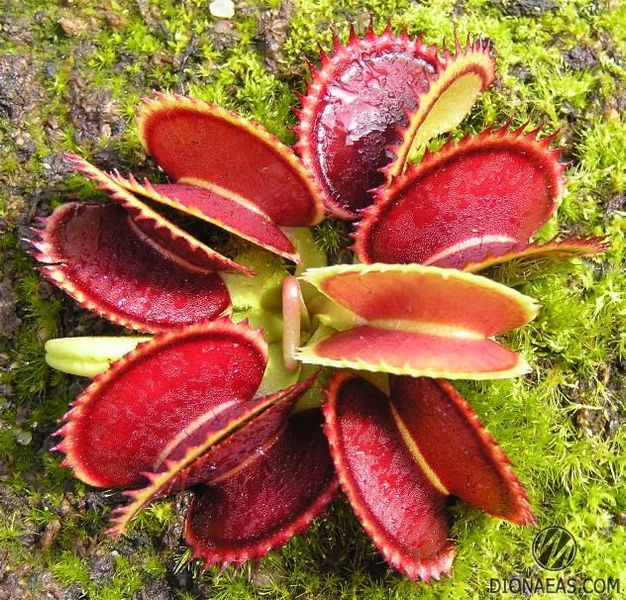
(331, 235)
(573, 477)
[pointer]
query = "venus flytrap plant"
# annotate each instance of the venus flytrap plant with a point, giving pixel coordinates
(217, 400)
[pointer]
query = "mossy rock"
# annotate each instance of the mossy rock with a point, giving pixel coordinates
(71, 74)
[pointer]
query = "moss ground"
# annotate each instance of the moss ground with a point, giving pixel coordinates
(70, 76)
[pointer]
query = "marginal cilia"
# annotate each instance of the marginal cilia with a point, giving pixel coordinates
(236, 409)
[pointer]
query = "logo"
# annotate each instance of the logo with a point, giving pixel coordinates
(554, 548)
